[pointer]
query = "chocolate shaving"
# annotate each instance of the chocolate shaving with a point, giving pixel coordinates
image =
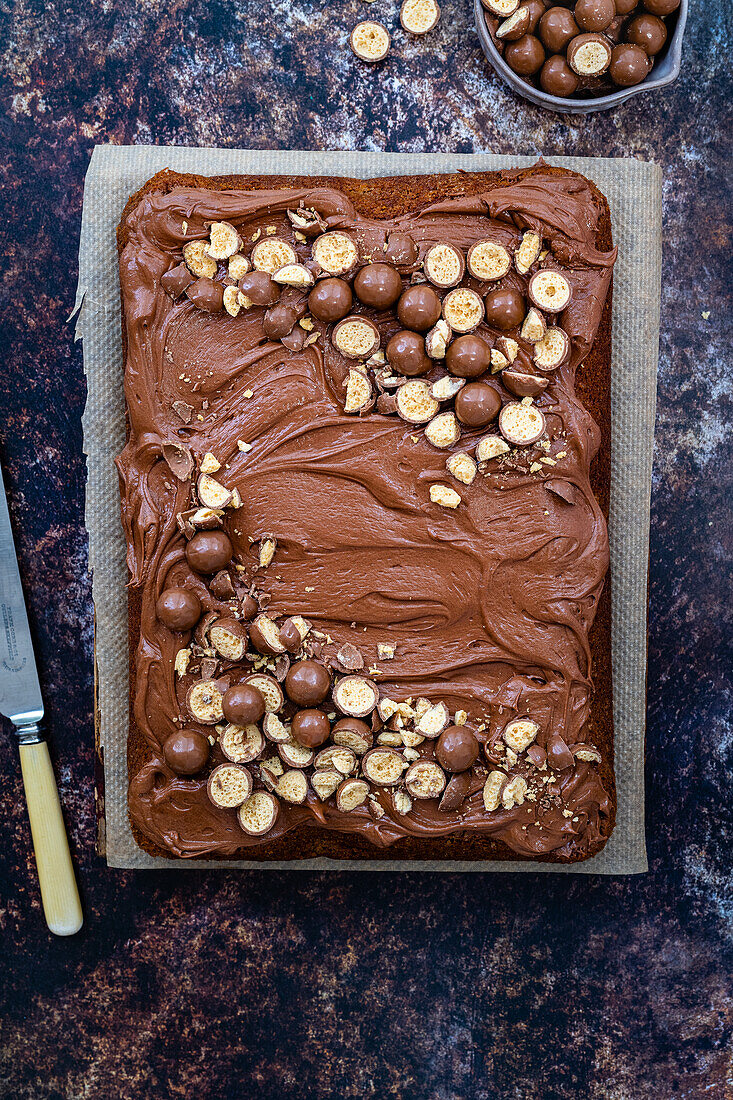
(221, 586)
(349, 659)
(562, 489)
(179, 459)
(183, 410)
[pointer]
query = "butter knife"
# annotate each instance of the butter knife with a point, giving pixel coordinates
(21, 702)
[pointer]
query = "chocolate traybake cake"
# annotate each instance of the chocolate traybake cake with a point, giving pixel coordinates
(364, 495)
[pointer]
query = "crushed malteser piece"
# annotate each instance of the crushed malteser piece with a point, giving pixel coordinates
(499, 361)
(183, 411)
(241, 744)
(415, 403)
(492, 790)
(264, 634)
(271, 254)
(275, 729)
(455, 793)
(549, 290)
(292, 786)
(552, 350)
(514, 792)
(309, 221)
(229, 786)
(224, 241)
(589, 754)
(212, 493)
(437, 340)
(402, 802)
(198, 261)
(206, 519)
(425, 779)
(270, 690)
(325, 782)
(238, 267)
(370, 41)
(411, 739)
(231, 300)
(179, 460)
(258, 814)
(391, 738)
(356, 696)
(446, 388)
(351, 794)
(444, 265)
(183, 656)
(516, 25)
(508, 347)
(463, 309)
(203, 701)
(338, 758)
(355, 337)
(520, 733)
(383, 766)
(433, 721)
(385, 651)
(419, 16)
(444, 496)
(209, 464)
(359, 393)
(270, 771)
(335, 253)
(349, 658)
(268, 546)
(296, 275)
(521, 424)
(243, 446)
(443, 430)
(229, 638)
(528, 252)
(488, 261)
(295, 755)
(534, 326)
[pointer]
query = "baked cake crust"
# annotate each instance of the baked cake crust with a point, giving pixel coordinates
(497, 607)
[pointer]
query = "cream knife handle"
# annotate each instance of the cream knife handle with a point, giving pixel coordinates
(59, 893)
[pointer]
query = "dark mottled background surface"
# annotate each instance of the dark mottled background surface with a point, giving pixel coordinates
(302, 985)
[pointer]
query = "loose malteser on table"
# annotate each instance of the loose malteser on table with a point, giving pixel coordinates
(344, 514)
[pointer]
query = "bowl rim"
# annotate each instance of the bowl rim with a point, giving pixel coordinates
(568, 105)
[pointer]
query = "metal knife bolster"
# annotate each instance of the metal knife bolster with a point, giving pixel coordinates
(28, 727)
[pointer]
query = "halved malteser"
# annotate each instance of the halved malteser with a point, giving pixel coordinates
(434, 720)
(515, 25)
(491, 446)
(274, 728)
(356, 696)
(337, 758)
(443, 430)
(359, 392)
(444, 265)
(502, 9)
(370, 41)
(294, 755)
(523, 383)
(212, 493)
(229, 638)
(520, 733)
(198, 261)
(534, 326)
(419, 16)
(549, 290)
(335, 253)
(296, 275)
(521, 424)
(415, 402)
(325, 782)
(238, 267)
(383, 766)
(224, 240)
(589, 54)
(488, 261)
(259, 813)
(425, 779)
(589, 754)
(203, 701)
(492, 790)
(229, 786)
(437, 340)
(272, 253)
(351, 794)
(463, 309)
(269, 689)
(508, 347)
(264, 634)
(355, 337)
(462, 467)
(446, 388)
(444, 496)
(552, 350)
(242, 744)
(528, 252)
(292, 786)
(358, 742)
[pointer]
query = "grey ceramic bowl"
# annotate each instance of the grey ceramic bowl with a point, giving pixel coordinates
(666, 69)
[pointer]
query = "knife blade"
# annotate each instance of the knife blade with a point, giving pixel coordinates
(22, 703)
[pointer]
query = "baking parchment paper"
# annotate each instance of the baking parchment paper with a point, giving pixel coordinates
(633, 190)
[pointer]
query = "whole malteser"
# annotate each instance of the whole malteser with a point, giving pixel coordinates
(279, 320)
(647, 31)
(557, 78)
(505, 308)
(594, 15)
(259, 288)
(624, 7)
(536, 11)
(206, 294)
(556, 28)
(477, 404)
(661, 7)
(526, 56)
(378, 285)
(406, 354)
(186, 752)
(401, 249)
(242, 704)
(178, 608)
(209, 551)
(419, 308)
(307, 683)
(457, 748)
(629, 65)
(310, 728)
(468, 356)
(330, 300)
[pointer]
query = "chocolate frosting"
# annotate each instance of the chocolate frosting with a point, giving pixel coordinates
(488, 605)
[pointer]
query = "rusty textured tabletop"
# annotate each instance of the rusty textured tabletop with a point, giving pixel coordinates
(356, 985)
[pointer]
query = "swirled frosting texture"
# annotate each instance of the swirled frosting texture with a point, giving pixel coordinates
(488, 606)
